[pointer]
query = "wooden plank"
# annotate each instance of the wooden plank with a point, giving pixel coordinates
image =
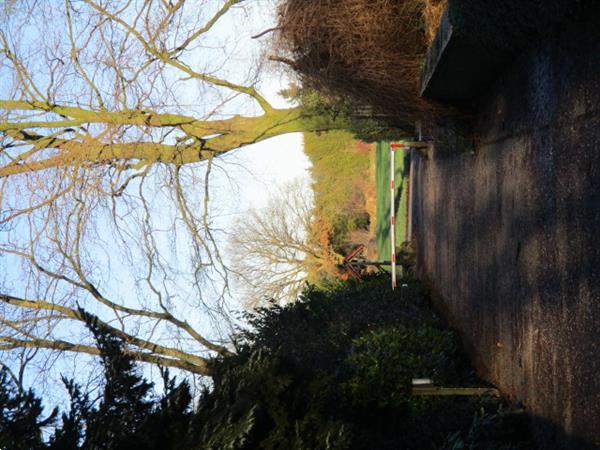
(444, 391)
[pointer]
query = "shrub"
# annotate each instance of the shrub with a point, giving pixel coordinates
(367, 52)
(385, 361)
(333, 370)
(332, 319)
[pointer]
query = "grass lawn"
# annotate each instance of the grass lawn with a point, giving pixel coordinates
(382, 181)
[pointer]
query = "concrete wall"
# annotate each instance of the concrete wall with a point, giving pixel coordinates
(509, 234)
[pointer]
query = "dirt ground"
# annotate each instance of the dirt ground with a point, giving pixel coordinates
(508, 234)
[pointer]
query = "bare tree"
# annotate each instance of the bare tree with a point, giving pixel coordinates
(276, 249)
(110, 95)
(112, 117)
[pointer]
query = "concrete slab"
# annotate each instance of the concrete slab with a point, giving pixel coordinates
(456, 71)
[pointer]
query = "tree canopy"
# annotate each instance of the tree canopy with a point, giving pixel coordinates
(103, 88)
(114, 116)
(282, 246)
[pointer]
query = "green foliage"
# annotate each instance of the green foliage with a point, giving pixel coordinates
(360, 124)
(247, 387)
(333, 319)
(125, 403)
(127, 416)
(71, 432)
(333, 370)
(258, 401)
(385, 361)
(330, 371)
(20, 416)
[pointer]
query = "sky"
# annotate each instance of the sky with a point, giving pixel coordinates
(248, 176)
(257, 171)
(269, 164)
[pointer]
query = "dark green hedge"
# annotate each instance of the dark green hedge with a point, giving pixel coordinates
(334, 370)
(331, 371)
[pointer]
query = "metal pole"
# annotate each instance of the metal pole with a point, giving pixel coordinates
(393, 147)
(393, 213)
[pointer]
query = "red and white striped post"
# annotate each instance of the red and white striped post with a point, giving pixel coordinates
(393, 148)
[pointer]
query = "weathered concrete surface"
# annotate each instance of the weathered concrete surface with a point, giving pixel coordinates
(476, 38)
(455, 70)
(509, 235)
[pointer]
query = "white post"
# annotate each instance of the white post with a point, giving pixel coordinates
(392, 211)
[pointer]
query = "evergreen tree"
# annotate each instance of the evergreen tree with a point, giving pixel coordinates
(71, 432)
(20, 416)
(125, 404)
(128, 415)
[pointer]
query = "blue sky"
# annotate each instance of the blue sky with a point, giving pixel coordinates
(244, 178)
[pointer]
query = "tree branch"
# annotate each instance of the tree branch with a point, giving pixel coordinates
(126, 337)
(267, 31)
(7, 343)
(165, 57)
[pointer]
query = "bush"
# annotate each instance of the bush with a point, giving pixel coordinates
(385, 361)
(334, 370)
(366, 52)
(331, 371)
(332, 320)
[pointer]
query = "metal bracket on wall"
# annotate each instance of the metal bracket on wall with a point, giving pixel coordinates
(422, 147)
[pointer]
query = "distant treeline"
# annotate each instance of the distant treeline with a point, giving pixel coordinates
(344, 186)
